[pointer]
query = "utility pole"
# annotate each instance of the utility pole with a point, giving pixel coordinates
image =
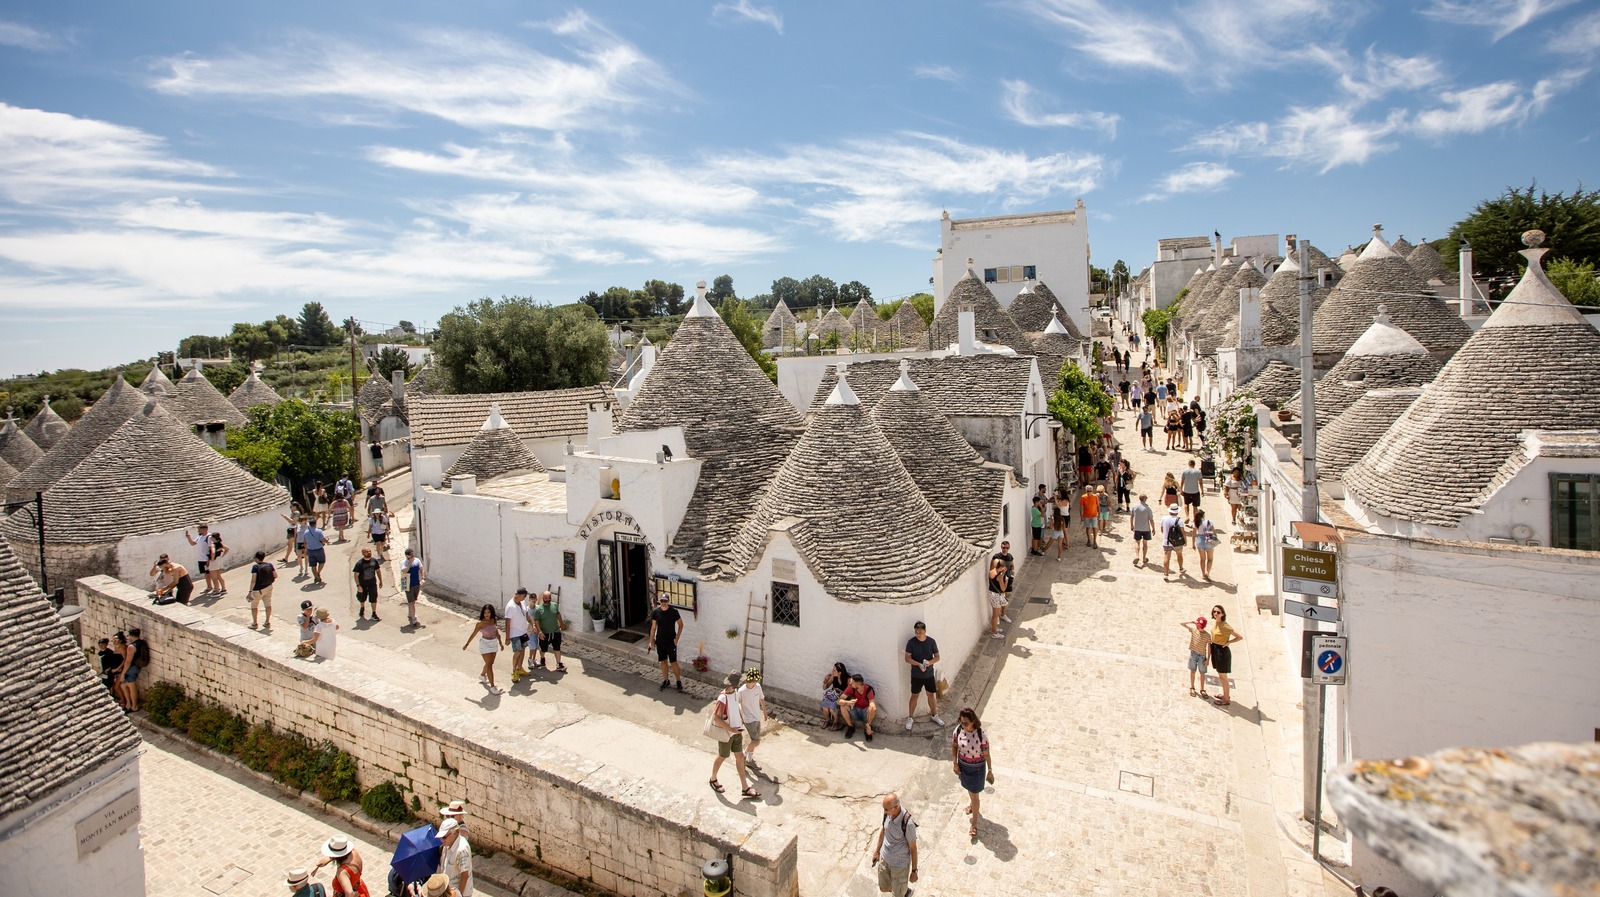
(350, 326)
(1312, 695)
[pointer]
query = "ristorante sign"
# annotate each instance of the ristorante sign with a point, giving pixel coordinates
(610, 517)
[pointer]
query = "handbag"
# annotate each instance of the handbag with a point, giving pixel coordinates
(711, 729)
(940, 683)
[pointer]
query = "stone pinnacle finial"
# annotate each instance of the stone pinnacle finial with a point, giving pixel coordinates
(1533, 239)
(1377, 230)
(1382, 317)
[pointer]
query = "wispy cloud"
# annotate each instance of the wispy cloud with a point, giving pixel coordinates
(936, 72)
(47, 157)
(1139, 42)
(16, 34)
(1581, 37)
(1196, 177)
(1020, 102)
(745, 10)
(1376, 74)
(1501, 16)
(473, 79)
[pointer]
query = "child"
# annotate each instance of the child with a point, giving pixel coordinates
(1105, 509)
(1199, 650)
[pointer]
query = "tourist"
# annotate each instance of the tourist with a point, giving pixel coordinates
(1102, 468)
(1135, 396)
(1199, 421)
(290, 543)
(324, 639)
(307, 621)
(455, 859)
(833, 685)
(1172, 539)
(1233, 491)
(1161, 396)
(319, 505)
(1104, 501)
(119, 680)
(438, 885)
(999, 583)
(725, 717)
(377, 500)
(1089, 509)
(547, 626)
(1123, 387)
(376, 451)
(172, 582)
(368, 573)
(1193, 483)
(202, 553)
(895, 851)
(519, 622)
(1004, 554)
(1199, 654)
(457, 810)
(378, 530)
(1141, 519)
(1174, 429)
(752, 712)
(1205, 542)
(316, 549)
(301, 885)
(487, 632)
(1125, 477)
(110, 663)
(1060, 519)
(346, 869)
(300, 544)
(1169, 489)
(666, 627)
(860, 705)
(411, 569)
(1036, 525)
(372, 495)
(345, 487)
(1222, 637)
(1186, 421)
(922, 653)
(1085, 463)
(973, 765)
(262, 576)
(339, 515)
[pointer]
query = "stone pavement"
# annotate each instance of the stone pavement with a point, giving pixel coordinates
(1111, 779)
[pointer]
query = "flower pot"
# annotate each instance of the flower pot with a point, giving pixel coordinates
(599, 624)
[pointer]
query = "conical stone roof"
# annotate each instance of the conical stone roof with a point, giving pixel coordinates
(1384, 357)
(1042, 290)
(1383, 277)
(1342, 441)
(1282, 294)
(906, 326)
(855, 515)
(734, 421)
(1426, 262)
(61, 724)
(779, 327)
(156, 383)
(989, 317)
(1032, 310)
(832, 324)
(7, 472)
(495, 451)
(1198, 304)
(375, 400)
(252, 392)
(944, 465)
(47, 427)
(153, 475)
(1053, 346)
(1274, 383)
(1222, 321)
(1347, 260)
(196, 401)
(864, 319)
(1514, 374)
(15, 446)
(427, 382)
(103, 418)
(1401, 246)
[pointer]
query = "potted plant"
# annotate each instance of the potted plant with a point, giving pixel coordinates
(597, 615)
(733, 632)
(701, 663)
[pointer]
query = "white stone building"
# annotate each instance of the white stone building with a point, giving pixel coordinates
(1010, 251)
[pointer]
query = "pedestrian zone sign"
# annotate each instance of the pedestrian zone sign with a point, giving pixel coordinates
(1330, 656)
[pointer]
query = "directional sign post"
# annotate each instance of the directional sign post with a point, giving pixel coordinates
(1330, 659)
(1321, 613)
(1310, 572)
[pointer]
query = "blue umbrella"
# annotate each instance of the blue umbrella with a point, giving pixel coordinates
(417, 857)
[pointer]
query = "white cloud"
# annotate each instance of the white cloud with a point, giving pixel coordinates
(1502, 16)
(743, 9)
(49, 156)
(1580, 37)
(472, 79)
(1196, 177)
(936, 72)
(1020, 100)
(16, 34)
(1116, 36)
(1327, 136)
(1377, 74)
(1474, 110)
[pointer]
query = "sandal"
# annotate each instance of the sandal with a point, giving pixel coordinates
(750, 793)
(717, 786)
(1191, 692)
(1221, 703)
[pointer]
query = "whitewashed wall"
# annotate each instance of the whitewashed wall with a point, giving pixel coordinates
(244, 537)
(1059, 250)
(40, 855)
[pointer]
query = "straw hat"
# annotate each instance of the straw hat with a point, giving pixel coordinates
(297, 878)
(336, 847)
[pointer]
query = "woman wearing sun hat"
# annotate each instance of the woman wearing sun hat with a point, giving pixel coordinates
(347, 867)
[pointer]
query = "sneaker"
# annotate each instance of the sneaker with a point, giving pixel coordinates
(680, 682)
(254, 626)
(995, 635)
(483, 680)
(937, 721)
(869, 736)
(375, 618)
(849, 731)
(664, 684)
(516, 676)
(496, 690)
(1005, 618)
(908, 725)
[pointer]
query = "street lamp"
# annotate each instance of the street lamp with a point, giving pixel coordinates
(35, 506)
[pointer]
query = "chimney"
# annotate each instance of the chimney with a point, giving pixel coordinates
(1466, 278)
(1290, 240)
(967, 342)
(464, 484)
(601, 423)
(1250, 318)
(397, 385)
(1322, 277)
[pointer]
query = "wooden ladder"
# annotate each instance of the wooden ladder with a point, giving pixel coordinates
(755, 635)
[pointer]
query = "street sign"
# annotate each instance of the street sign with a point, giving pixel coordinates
(1332, 661)
(1321, 613)
(1308, 563)
(1310, 587)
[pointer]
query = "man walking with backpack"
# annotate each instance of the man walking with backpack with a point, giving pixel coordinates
(1172, 539)
(262, 576)
(895, 853)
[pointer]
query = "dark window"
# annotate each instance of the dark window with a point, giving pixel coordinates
(785, 604)
(680, 592)
(990, 275)
(1575, 511)
(1029, 272)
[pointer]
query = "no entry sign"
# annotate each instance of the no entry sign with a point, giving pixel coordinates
(1330, 658)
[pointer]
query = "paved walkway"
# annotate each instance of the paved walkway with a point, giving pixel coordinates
(1111, 779)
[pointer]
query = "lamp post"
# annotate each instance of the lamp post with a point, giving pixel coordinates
(35, 507)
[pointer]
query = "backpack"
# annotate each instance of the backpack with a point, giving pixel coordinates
(1175, 536)
(141, 653)
(905, 818)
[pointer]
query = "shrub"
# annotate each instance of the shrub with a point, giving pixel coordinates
(205, 724)
(160, 699)
(181, 711)
(336, 774)
(385, 803)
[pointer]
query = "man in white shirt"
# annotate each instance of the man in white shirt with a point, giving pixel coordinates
(455, 861)
(518, 625)
(752, 711)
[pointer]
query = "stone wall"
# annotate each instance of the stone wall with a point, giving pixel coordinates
(544, 805)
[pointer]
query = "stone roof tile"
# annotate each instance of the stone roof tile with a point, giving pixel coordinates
(782, 321)
(1042, 289)
(1382, 277)
(906, 327)
(103, 418)
(16, 447)
(47, 427)
(60, 723)
(252, 392)
(196, 402)
(547, 414)
(1426, 262)
(7, 472)
(964, 385)
(1343, 440)
(1223, 317)
(1384, 357)
(1032, 310)
(970, 292)
(1274, 383)
(495, 451)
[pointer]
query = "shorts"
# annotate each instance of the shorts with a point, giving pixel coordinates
(1197, 662)
(858, 715)
(1191, 499)
(379, 538)
(289, 533)
(928, 685)
(1146, 431)
(666, 651)
(893, 880)
(1038, 532)
(1105, 519)
(260, 595)
(367, 591)
(203, 566)
(1140, 535)
(1090, 524)
(1221, 658)
(317, 556)
(412, 592)
(300, 547)
(734, 745)
(998, 599)
(519, 643)
(753, 728)
(551, 641)
(132, 675)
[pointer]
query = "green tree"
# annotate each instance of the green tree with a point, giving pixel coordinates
(1157, 321)
(316, 328)
(786, 290)
(407, 327)
(226, 377)
(1119, 271)
(201, 346)
(662, 298)
(251, 341)
(721, 288)
(853, 292)
(517, 344)
(923, 303)
(818, 291)
(295, 440)
(1576, 281)
(283, 330)
(1079, 403)
(389, 360)
(745, 326)
(1494, 229)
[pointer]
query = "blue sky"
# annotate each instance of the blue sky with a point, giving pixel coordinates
(170, 168)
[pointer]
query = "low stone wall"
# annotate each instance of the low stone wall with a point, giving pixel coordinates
(545, 805)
